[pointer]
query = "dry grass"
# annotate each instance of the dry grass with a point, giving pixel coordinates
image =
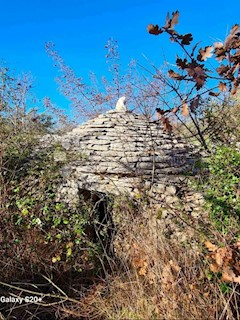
(152, 277)
(161, 278)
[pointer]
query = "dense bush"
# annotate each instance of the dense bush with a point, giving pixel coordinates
(220, 184)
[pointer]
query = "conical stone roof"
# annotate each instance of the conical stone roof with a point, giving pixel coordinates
(118, 151)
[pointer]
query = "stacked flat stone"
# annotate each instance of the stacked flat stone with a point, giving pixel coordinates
(122, 151)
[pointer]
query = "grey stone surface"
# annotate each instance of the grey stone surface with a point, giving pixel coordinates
(121, 150)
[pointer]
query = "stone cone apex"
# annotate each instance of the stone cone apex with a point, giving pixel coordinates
(118, 151)
(121, 105)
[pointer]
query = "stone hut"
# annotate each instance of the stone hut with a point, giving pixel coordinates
(122, 152)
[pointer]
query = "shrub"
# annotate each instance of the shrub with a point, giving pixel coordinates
(221, 186)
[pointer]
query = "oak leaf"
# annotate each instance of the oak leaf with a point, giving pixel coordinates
(194, 103)
(186, 39)
(174, 75)
(222, 69)
(170, 23)
(232, 37)
(154, 29)
(182, 63)
(220, 51)
(236, 57)
(200, 77)
(222, 87)
(205, 53)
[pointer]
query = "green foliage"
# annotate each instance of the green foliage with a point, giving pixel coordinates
(32, 207)
(222, 186)
(49, 234)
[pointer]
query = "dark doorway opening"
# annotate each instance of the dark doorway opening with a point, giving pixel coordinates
(101, 228)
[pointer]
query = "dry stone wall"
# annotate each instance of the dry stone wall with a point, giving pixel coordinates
(121, 152)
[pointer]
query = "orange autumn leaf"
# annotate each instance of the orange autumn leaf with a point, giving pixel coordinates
(220, 256)
(175, 110)
(214, 268)
(222, 87)
(228, 275)
(238, 244)
(185, 110)
(210, 246)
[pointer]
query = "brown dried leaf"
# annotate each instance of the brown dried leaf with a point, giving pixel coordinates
(235, 29)
(237, 279)
(175, 110)
(174, 75)
(222, 69)
(237, 244)
(220, 51)
(211, 247)
(182, 63)
(214, 267)
(205, 53)
(199, 76)
(228, 275)
(170, 23)
(185, 110)
(166, 124)
(199, 70)
(232, 37)
(235, 88)
(214, 94)
(154, 29)
(186, 39)
(218, 45)
(196, 71)
(222, 87)
(235, 57)
(236, 43)
(174, 21)
(194, 103)
(219, 256)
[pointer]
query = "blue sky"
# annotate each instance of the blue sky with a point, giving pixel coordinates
(81, 28)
